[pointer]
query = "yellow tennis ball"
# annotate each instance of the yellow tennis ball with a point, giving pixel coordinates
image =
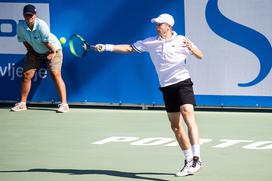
(62, 40)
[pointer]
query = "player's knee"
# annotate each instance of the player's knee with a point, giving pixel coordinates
(28, 75)
(55, 75)
(175, 127)
(186, 113)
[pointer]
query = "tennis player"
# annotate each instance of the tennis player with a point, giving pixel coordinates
(168, 52)
(42, 47)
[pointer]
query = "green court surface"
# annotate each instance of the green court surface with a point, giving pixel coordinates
(118, 145)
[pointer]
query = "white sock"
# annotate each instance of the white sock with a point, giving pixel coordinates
(188, 154)
(23, 102)
(196, 150)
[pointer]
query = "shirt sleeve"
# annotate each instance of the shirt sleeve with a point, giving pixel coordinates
(140, 46)
(20, 36)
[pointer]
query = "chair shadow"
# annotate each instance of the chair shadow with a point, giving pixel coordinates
(132, 175)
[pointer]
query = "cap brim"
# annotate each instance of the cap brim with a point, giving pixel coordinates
(29, 13)
(156, 20)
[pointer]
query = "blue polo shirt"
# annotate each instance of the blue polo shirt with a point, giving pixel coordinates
(35, 37)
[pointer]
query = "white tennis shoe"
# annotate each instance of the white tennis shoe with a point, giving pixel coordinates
(185, 171)
(190, 168)
(63, 108)
(20, 106)
(196, 165)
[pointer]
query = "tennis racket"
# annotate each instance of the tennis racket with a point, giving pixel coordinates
(78, 46)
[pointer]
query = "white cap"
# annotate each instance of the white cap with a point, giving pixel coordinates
(164, 18)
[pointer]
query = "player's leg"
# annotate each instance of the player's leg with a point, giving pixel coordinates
(32, 63)
(187, 111)
(60, 85)
(185, 96)
(177, 127)
(175, 119)
(55, 71)
(26, 83)
(172, 105)
(187, 102)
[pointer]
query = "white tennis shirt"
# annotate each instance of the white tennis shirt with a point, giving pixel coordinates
(168, 57)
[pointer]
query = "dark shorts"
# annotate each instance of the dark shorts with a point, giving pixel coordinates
(177, 95)
(34, 61)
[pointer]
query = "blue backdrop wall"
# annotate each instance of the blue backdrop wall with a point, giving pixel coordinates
(107, 77)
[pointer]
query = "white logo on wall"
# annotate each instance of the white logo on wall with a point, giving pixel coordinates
(10, 15)
(240, 55)
(11, 71)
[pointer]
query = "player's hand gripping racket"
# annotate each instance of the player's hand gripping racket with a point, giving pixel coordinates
(79, 47)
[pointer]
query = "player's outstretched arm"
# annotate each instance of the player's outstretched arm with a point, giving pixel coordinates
(114, 48)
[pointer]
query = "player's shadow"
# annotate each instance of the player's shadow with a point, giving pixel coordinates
(132, 175)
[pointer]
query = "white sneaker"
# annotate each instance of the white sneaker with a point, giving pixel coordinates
(63, 108)
(20, 106)
(196, 165)
(185, 171)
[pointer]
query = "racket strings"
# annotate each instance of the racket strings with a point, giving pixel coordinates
(78, 47)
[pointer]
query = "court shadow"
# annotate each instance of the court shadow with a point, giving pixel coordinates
(133, 175)
(43, 109)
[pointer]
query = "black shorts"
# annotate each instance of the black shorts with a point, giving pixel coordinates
(178, 94)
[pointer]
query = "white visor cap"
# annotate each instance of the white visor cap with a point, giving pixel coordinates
(164, 18)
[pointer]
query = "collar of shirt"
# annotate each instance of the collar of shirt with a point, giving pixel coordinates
(34, 27)
(174, 35)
